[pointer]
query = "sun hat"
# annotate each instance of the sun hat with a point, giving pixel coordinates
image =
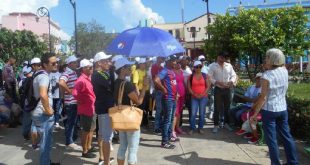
(122, 62)
(115, 58)
(196, 63)
(26, 70)
(70, 59)
(201, 57)
(101, 56)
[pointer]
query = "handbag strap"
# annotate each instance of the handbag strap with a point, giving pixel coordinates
(121, 93)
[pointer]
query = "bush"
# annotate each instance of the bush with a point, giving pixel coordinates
(298, 102)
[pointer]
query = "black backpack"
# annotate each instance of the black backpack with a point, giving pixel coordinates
(28, 93)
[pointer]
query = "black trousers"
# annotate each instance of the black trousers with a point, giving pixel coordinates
(222, 100)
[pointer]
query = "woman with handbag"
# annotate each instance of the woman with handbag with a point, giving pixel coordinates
(128, 139)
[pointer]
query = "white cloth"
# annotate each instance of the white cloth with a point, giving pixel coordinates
(186, 73)
(222, 74)
(205, 69)
(54, 78)
(278, 84)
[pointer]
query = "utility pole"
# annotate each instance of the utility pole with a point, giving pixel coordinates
(73, 3)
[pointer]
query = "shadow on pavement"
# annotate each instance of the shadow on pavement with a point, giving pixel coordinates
(193, 158)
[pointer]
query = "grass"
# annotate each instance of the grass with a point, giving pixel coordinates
(300, 90)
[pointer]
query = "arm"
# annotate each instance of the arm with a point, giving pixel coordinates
(261, 98)
(138, 99)
(63, 85)
(158, 83)
(44, 99)
(233, 78)
(208, 85)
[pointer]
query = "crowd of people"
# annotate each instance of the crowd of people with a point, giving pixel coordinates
(79, 92)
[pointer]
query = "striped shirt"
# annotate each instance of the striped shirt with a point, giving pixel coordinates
(70, 77)
(278, 84)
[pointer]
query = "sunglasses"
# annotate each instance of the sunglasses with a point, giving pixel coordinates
(198, 66)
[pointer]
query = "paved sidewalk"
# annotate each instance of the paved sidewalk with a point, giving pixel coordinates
(224, 148)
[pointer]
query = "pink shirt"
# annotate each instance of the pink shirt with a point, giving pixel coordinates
(84, 94)
(180, 83)
(198, 86)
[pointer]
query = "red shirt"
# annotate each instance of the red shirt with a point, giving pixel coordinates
(84, 94)
(198, 86)
(155, 70)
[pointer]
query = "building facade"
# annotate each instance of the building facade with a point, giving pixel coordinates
(38, 25)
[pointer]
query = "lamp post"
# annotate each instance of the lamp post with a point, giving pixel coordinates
(43, 11)
(208, 15)
(193, 32)
(73, 3)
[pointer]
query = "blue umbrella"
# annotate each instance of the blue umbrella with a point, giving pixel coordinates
(145, 41)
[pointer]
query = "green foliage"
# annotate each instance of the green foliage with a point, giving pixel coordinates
(23, 45)
(252, 32)
(244, 84)
(92, 38)
(301, 91)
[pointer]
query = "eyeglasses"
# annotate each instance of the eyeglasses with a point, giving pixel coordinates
(198, 66)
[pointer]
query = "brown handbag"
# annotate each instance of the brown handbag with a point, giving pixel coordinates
(125, 117)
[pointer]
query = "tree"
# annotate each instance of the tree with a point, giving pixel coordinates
(23, 45)
(252, 32)
(92, 38)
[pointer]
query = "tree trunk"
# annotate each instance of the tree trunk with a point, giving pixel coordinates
(308, 66)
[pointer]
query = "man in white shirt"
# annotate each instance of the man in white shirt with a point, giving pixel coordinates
(223, 77)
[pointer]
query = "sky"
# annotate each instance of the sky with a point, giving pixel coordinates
(118, 15)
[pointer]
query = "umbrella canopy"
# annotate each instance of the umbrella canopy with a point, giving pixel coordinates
(146, 42)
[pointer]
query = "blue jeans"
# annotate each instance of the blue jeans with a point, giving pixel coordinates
(26, 123)
(277, 122)
(45, 125)
(4, 119)
(235, 113)
(130, 140)
(71, 123)
(198, 104)
(57, 109)
(168, 112)
(159, 109)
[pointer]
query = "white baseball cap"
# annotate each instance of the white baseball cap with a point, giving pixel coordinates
(25, 62)
(101, 56)
(35, 60)
(84, 63)
(196, 63)
(122, 62)
(201, 57)
(117, 57)
(259, 75)
(142, 60)
(70, 59)
(26, 70)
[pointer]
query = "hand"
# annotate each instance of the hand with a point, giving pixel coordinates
(230, 84)
(165, 91)
(49, 112)
(253, 118)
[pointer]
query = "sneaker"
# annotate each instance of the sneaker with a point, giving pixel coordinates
(174, 139)
(174, 134)
(215, 129)
(93, 149)
(157, 132)
(248, 136)
(200, 131)
(253, 140)
(211, 115)
(35, 146)
(73, 146)
(101, 162)
(227, 126)
(190, 132)
(88, 155)
(240, 132)
(57, 126)
(26, 137)
(167, 145)
(63, 118)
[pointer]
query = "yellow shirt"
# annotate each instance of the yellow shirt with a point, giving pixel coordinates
(138, 78)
